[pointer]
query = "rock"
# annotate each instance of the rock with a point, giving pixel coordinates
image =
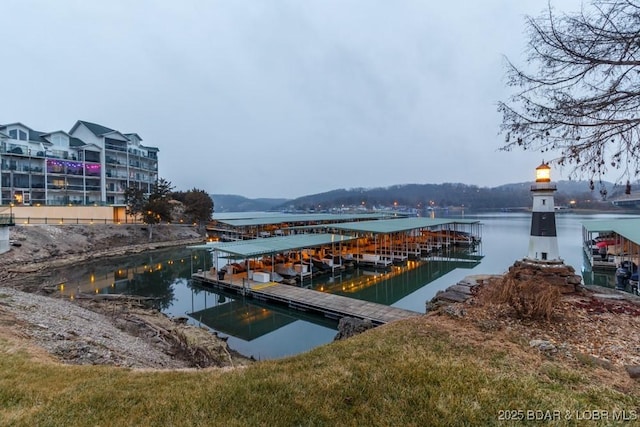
(543, 345)
(180, 319)
(463, 289)
(452, 296)
(454, 311)
(349, 326)
(633, 371)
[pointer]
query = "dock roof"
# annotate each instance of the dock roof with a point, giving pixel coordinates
(274, 245)
(292, 218)
(629, 228)
(384, 226)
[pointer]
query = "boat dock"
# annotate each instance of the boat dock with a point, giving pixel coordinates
(330, 305)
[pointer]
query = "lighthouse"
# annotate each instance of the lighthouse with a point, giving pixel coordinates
(543, 241)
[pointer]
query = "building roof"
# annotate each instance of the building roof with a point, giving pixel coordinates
(129, 135)
(34, 135)
(76, 142)
(274, 245)
(96, 129)
(629, 228)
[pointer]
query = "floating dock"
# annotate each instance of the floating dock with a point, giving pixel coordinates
(330, 305)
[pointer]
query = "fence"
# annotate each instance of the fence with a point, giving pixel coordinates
(7, 219)
(70, 221)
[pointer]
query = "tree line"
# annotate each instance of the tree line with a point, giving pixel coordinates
(163, 204)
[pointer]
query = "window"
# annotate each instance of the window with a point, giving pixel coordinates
(18, 134)
(60, 140)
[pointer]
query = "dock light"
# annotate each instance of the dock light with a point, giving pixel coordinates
(543, 173)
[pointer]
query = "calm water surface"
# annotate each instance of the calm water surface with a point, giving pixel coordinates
(267, 332)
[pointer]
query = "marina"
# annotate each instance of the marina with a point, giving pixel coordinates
(270, 330)
(286, 253)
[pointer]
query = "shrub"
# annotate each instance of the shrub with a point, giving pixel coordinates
(530, 299)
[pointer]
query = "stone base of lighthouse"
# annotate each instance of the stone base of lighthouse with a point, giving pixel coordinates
(556, 273)
(542, 263)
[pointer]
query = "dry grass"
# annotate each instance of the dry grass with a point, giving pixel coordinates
(530, 299)
(432, 370)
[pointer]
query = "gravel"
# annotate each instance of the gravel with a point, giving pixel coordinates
(79, 336)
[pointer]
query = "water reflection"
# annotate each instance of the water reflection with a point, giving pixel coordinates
(254, 327)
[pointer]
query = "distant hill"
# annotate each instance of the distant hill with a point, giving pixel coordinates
(423, 196)
(234, 203)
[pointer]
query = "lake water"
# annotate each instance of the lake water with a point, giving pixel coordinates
(266, 332)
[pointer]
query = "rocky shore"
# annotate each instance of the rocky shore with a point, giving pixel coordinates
(117, 331)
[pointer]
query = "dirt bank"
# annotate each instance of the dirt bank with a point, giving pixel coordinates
(115, 331)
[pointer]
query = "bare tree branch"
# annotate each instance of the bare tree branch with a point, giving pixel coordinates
(581, 94)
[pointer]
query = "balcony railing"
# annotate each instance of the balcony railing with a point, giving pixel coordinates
(7, 219)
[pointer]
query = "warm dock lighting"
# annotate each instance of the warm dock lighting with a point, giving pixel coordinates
(543, 173)
(61, 286)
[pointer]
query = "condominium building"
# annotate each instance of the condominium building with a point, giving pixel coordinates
(91, 164)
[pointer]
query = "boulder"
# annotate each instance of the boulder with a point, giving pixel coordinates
(350, 326)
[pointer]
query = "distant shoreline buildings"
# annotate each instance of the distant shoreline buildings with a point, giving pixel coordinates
(90, 165)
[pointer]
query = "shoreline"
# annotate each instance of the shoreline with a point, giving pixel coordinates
(138, 336)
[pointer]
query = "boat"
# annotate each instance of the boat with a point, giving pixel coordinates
(285, 270)
(320, 265)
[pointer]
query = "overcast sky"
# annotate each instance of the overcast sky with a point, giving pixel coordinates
(275, 98)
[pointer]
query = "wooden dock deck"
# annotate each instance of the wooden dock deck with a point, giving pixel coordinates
(330, 305)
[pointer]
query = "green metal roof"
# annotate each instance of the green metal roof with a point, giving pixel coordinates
(270, 220)
(629, 228)
(274, 245)
(397, 225)
(244, 215)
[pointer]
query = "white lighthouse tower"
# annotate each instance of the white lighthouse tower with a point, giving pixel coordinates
(543, 241)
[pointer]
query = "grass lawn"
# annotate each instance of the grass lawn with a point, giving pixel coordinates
(425, 371)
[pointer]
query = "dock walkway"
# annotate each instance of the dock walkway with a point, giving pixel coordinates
(330, 305)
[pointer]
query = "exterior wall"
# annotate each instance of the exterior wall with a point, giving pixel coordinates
(69, 214)
(87, 136)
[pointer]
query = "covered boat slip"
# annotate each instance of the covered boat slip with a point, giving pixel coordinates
(608, 243)
(378, 243)
(396, 240)
(239, 227)
(375, 243)
(261, 257)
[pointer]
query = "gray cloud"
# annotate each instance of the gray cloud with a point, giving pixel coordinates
(277, 98)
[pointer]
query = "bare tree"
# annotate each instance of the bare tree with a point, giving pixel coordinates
(582, 97)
